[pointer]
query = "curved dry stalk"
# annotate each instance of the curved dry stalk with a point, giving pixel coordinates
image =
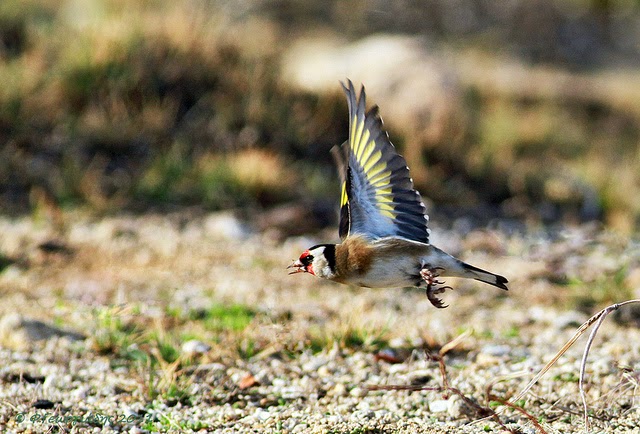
(555, 358)
(598, 318)
(455, 342)
(519, 409)
(583, 362)
(601, 316)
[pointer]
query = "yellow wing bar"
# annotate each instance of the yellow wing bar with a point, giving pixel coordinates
(374, 168)
(377, 197)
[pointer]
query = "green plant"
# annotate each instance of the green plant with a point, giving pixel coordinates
(220, 317)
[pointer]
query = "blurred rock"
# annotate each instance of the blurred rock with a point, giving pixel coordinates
(416, 88)
(420, 377)
(338, 390)
(51, 251)
(193, 347)
(225, 225)
(6, 262)
(486, 241)
(262, 377)
(496, 350)
(439, 406)
(358, 391)
(247, 381)
(458, 407)
(628, 315)
(16, 332)
(43, 404)
(570, 319)
(297, 219)
(55, 246)
(391, 355)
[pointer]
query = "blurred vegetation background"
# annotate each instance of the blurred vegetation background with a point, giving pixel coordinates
(526, 110)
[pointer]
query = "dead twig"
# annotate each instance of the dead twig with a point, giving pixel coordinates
(517, 408)
(480, 411)
(446, 389)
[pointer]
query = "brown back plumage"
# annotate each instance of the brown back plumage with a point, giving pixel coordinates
(353, 257)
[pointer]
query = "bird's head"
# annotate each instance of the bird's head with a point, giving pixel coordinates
(318, 260)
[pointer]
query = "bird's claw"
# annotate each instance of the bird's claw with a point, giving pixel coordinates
(431, 295)
(429, 275)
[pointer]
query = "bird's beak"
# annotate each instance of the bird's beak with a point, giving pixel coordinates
(299, 268)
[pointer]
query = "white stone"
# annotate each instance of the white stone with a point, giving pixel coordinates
(195, 347)
(439, 406)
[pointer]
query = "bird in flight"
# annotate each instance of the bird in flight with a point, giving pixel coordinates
(383, 222)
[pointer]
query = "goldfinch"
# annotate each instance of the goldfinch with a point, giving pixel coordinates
(383, 222)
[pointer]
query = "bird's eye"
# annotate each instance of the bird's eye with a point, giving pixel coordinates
(307, 260)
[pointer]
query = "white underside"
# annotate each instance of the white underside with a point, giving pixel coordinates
(402, 270)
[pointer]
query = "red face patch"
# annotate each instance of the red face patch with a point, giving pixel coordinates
(307, 261)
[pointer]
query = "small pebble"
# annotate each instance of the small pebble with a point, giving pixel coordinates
(358, 391)
(195, 347)
(496, 350)
(439, 406)
(571, 319)
(338, 390)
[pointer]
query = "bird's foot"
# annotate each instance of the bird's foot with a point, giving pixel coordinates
(430, 276)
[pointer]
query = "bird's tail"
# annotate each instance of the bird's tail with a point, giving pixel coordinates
(485, 276)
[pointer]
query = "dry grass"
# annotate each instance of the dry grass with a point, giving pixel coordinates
(97, 104)
(118, 106)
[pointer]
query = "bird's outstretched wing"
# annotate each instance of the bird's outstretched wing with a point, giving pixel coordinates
(378, 198)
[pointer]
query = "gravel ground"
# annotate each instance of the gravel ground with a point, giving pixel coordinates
(106, 326)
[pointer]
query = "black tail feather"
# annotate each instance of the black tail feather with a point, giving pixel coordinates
(488, 277)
